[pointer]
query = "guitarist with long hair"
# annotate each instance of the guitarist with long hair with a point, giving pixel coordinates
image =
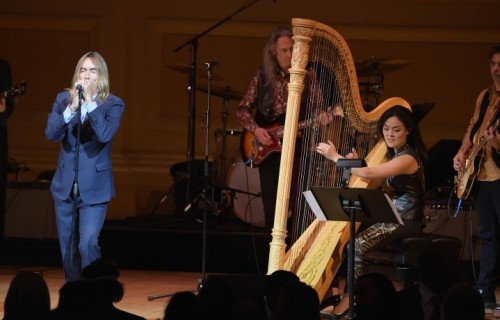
(267, 97)
(483, 130)
(6, 108)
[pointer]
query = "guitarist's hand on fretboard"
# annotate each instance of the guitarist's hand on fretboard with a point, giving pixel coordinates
(263, 136)
(493, 138)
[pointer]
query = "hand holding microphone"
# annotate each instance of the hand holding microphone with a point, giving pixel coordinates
(85, 89)
(78, 96)
(79, 87)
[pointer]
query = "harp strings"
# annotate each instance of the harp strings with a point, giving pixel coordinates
(328, 63)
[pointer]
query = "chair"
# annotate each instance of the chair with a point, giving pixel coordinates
(403, 255)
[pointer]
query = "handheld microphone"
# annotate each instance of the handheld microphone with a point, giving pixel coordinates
(79, 87)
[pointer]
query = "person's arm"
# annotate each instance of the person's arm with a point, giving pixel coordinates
(404, 164)
(56, 120)
(247, 104)
(244, 113)
(105, 118)
(463, 151)
(461, 156)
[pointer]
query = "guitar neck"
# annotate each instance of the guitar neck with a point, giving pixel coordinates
(482, 141)
(307, 123)
(16, 90)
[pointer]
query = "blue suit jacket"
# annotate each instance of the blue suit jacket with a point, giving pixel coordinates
(97, 131)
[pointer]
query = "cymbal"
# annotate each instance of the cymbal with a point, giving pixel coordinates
(200, 72)
(223, 92)
(376, 66)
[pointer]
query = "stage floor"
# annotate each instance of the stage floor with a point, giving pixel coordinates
(139, 285)
(156, 255)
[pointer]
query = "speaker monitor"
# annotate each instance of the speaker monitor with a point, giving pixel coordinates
(29, 211)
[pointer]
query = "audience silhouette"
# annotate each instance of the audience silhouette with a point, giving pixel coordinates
(297, 301)
(274, 285)
(283, 296)
(183, 305)
(439, 269)
(27, 298)
(463, 302)
(77, 300)
(216, 299)
(94, 296)
(376, 297)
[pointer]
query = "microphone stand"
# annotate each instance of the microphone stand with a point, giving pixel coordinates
(193, 42)
(222, 159)
(74, 238)
(206, 173)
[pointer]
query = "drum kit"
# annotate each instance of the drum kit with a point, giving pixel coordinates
(370, 74)
(240, 184)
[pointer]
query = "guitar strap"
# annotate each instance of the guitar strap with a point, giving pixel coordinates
(482, 112)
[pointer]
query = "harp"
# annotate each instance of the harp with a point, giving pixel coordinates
(318, 247)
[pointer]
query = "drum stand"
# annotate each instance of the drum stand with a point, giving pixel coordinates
(222, 158)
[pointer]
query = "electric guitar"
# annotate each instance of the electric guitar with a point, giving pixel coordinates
(253, 153)
(16, 90)
(465, 177)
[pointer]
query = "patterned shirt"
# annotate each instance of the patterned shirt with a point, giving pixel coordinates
(280, 97)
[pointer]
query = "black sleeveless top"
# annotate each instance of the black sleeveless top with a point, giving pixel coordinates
(409, 190)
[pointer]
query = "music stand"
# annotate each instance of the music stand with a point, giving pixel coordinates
(368, 206)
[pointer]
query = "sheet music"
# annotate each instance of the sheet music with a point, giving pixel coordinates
(316, 209)
(393, 207)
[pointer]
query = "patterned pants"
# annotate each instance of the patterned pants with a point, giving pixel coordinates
(368, 239)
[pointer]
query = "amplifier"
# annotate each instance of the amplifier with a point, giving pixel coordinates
(461, 224)
(29, 211)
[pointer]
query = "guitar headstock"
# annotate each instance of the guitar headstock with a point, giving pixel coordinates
(16, 90)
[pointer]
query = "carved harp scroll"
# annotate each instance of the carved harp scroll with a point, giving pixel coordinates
(317, 253)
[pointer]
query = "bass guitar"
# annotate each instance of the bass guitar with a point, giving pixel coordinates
(16, 90)
(465, 177)
(254, 153)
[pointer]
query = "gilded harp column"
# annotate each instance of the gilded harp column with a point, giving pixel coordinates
(303, 30)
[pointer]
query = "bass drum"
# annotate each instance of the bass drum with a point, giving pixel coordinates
(244, 183)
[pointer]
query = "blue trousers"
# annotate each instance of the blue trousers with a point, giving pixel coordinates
(487, 206)
(89, 222)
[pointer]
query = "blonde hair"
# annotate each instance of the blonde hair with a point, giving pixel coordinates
(102, 72)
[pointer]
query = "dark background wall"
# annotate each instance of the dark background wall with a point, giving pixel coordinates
(446, 43)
